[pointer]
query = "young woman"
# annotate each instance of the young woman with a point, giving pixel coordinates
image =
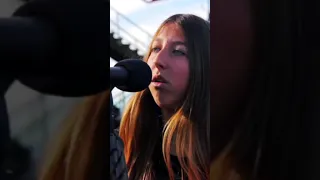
(165, 128)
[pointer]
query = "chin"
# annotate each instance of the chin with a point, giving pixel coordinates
(161, 99)
(161, 104)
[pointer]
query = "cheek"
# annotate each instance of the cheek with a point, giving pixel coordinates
(180, 76)
(150, 62)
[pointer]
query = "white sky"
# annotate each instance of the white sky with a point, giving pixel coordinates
(144, 18)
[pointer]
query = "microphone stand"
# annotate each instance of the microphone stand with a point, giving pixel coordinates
(118, 167)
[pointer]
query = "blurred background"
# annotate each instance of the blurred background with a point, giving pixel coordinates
(35, 118)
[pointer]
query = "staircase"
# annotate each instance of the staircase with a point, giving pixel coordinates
(124, 44)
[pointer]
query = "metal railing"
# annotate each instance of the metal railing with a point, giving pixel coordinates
(121, 27)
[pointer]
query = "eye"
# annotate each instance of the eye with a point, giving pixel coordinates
(179, 53)
(155, 49)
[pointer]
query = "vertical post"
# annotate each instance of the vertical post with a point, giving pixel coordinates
(111, 115)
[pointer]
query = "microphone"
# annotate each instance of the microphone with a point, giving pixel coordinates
(130, 75)
(127, 75)
(50, 35)
(58, 47)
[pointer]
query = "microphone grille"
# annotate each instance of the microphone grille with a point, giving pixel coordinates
(140, 75)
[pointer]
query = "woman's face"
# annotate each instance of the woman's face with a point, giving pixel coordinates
(231, 55)
(170, 67)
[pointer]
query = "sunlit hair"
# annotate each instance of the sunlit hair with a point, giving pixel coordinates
(188, 128)
(81, 149)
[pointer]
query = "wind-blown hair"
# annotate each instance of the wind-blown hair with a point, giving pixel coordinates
(188, 129)
(265, 141)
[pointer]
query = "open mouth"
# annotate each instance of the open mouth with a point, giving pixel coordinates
(159, 79)
(159, 82)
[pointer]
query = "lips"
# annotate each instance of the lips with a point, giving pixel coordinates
(159, 79)
(159, 82)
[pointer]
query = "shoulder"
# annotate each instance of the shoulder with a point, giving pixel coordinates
(115, 139)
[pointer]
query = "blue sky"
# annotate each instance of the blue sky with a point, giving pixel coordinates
(146, 17)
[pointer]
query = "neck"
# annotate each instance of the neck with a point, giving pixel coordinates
(166, 114)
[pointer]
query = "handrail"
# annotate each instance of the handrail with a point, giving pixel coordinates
(121, 98)
(141, 44)
(118, 29)
(126, 18)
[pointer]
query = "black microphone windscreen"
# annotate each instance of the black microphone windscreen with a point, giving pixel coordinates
(94, 80)
(68, 85)
(139, 74)
(81, 27)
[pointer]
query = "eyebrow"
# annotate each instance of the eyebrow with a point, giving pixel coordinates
(173, 42)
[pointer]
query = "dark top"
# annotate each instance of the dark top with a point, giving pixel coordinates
(160, 168)
(161, 172)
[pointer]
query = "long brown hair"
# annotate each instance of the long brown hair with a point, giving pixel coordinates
(81, 150)
(188, 127)
(265, 139)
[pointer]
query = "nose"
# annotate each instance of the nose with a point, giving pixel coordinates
(160, 60)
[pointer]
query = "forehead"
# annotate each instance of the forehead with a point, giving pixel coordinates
(170, 32)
